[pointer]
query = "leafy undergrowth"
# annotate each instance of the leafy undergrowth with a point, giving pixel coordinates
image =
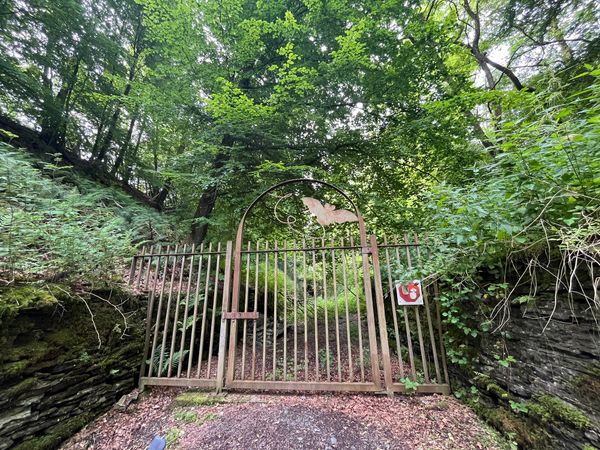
(239, 421)
(55, 224)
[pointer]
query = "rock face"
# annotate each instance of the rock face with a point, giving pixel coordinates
(54, 377)
(549, 397)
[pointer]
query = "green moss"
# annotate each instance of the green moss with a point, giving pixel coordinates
(489, 437)
(30, 350)
(13, 369)
(172, 436)
(57, 434)
(209, 417)
(549, 408)
(186, 416)
(497, 390)
(25, 297)
(484, 381)
(441, 405)
(192, 398)
(19, 388)
(525, 431)
(17, 361)
(118, 357)
(586, 387)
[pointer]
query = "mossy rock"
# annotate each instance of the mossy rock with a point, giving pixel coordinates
(19, 388)
(586, 388)
(56, 435)
(34, 341)
(483, 381)
(551, 409)
(192, 398)
(15, 299)
(20, 360)
(527, 433)
(13, 369)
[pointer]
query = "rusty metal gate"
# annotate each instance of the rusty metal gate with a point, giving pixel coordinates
(307, 315)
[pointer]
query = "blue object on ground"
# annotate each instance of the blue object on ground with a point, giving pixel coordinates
(157, 443)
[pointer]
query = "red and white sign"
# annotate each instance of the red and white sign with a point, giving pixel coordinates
(409, 294)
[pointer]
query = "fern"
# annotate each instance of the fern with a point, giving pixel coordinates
(78, 230)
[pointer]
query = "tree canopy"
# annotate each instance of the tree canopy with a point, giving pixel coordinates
(416, 108)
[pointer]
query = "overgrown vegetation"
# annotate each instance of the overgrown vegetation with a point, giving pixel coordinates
(55, 225)
(475, 123)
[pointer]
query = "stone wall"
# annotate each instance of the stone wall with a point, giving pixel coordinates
(54, 377)
(549, 397)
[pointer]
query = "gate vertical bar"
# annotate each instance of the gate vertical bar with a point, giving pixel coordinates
(383, 335)
(428, 317)
(393, 300)
(337, 313)
(417, 318)
(204, 309)
(295, 314)
(358, 316)
(246, 293)
(176, 317)
(254, 325)
(327, 351)
(275, 299)
(159, 310)
(150, 308)
(305, 312)
(167, 313)
(348, 339)
(409, 345)
(195, 316)
(224, 308)
(285, 343)
(213, 315)
(142, 259)
(316, 316)
(186, 312)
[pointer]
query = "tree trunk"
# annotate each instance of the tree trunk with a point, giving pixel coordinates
(103, 149)
(99, 132)
(56, 111)
(162, 195)
(129, 165)
(565, 50)
(207, 201)
(124, 147)
(137, 49)
(482, 59)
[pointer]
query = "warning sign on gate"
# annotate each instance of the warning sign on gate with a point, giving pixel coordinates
(409, 294)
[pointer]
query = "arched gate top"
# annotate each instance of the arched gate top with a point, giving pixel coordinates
(294, 181)
(240, 231)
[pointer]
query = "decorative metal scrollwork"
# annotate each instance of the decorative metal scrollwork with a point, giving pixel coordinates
(289, 220)
(326, 214)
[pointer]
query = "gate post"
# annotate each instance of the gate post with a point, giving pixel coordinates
(385, 348)
(224, 309)
(365, 251)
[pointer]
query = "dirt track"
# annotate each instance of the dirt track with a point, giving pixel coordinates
(239, 421)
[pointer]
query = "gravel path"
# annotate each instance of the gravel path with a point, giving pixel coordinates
(295, 426)
(253, 421)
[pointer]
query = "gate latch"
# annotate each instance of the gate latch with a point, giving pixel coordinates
(241, 315)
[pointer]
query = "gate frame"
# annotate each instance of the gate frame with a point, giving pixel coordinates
(373, 386)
